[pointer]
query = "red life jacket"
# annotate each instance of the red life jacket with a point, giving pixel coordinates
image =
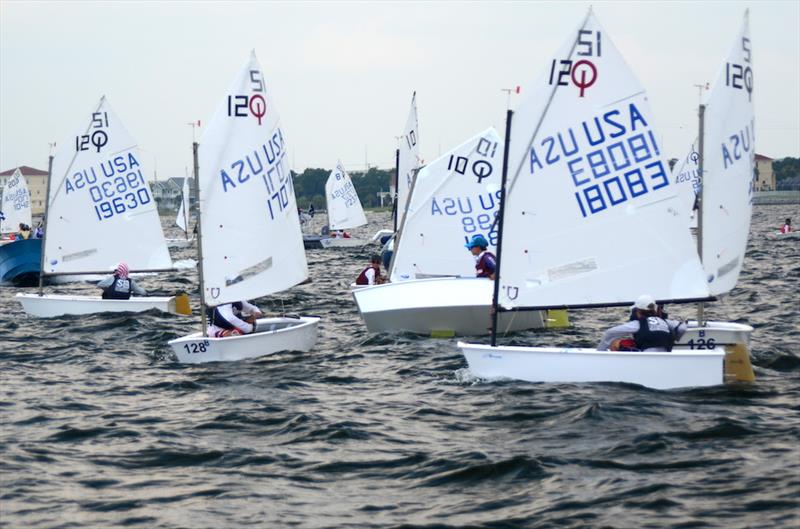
(362, 277)
(486, 264)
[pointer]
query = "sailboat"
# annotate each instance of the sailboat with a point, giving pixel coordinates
(100, 211)
(407, 164)
(182, 219)
(433, 288)
(16, 205)
(19, 258)
(591, 219)
(407, 160)
(249, 239)
(686, 175)
(344, 210)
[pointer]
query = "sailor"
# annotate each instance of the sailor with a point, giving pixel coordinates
(119, 285)
(233, 319)
(371, 275)
(650, 332)
(24, 231)
(485, 261)
(787, 226)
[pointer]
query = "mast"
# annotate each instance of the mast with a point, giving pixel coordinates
(500, 215)
(701, 113)
(44, 223)
(199, 240)
(396, 183)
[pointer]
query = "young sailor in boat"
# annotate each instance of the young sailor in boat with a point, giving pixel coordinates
(650, 332)
(233, 319)
(371, 275)
(119, 285)
(485, 261)
(24, 231)
(787, 226)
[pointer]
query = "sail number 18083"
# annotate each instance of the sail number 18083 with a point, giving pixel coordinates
(197, 347)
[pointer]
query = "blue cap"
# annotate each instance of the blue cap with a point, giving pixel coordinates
(477, 240)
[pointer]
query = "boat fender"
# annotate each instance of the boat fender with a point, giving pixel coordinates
(182, 305)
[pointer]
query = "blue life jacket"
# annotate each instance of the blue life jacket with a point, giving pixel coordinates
(118, 289)
(654, 332)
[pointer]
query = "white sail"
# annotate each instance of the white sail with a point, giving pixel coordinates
(344, 207)
(409, 160)
(100, 208)
(686, 176)
(251, 240)
(729, 167)
(183, 211)
(16, 206)
(592, 217)
(454, 198)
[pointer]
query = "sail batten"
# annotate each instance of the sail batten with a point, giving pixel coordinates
(251, 240)
(592, 217)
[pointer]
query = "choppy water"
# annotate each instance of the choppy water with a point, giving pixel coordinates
(100, 428)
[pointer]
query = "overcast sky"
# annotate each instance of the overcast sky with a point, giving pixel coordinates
(342, 73)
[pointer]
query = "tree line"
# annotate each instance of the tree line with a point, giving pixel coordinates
(309, 187)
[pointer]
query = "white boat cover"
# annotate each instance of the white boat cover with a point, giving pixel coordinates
(454, 198)
(729, 166)
(592, 217)
(100, 208)
(252, 244)
(344, 207)
(409, 160)
(16, 205)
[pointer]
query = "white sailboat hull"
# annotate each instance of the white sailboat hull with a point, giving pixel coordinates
(342, 242)
(695, 361)
(51, 305)
(279, 334)
(441, 306)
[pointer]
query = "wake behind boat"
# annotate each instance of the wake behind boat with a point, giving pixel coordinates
(249, 239)
(99, 211)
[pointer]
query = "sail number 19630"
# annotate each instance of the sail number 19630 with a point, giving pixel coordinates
(197, 347)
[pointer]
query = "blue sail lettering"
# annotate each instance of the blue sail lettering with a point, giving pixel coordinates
(119, 163)
(461, 207)
(226, 181)
(449, 206)
(620, 129)
(110, 172)
(489, 199)
(601, 135)
(253, 170)
(564, 149)
(534, 160)
(636, 116)
(547, 157)
(435, 209)
(726, 156)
